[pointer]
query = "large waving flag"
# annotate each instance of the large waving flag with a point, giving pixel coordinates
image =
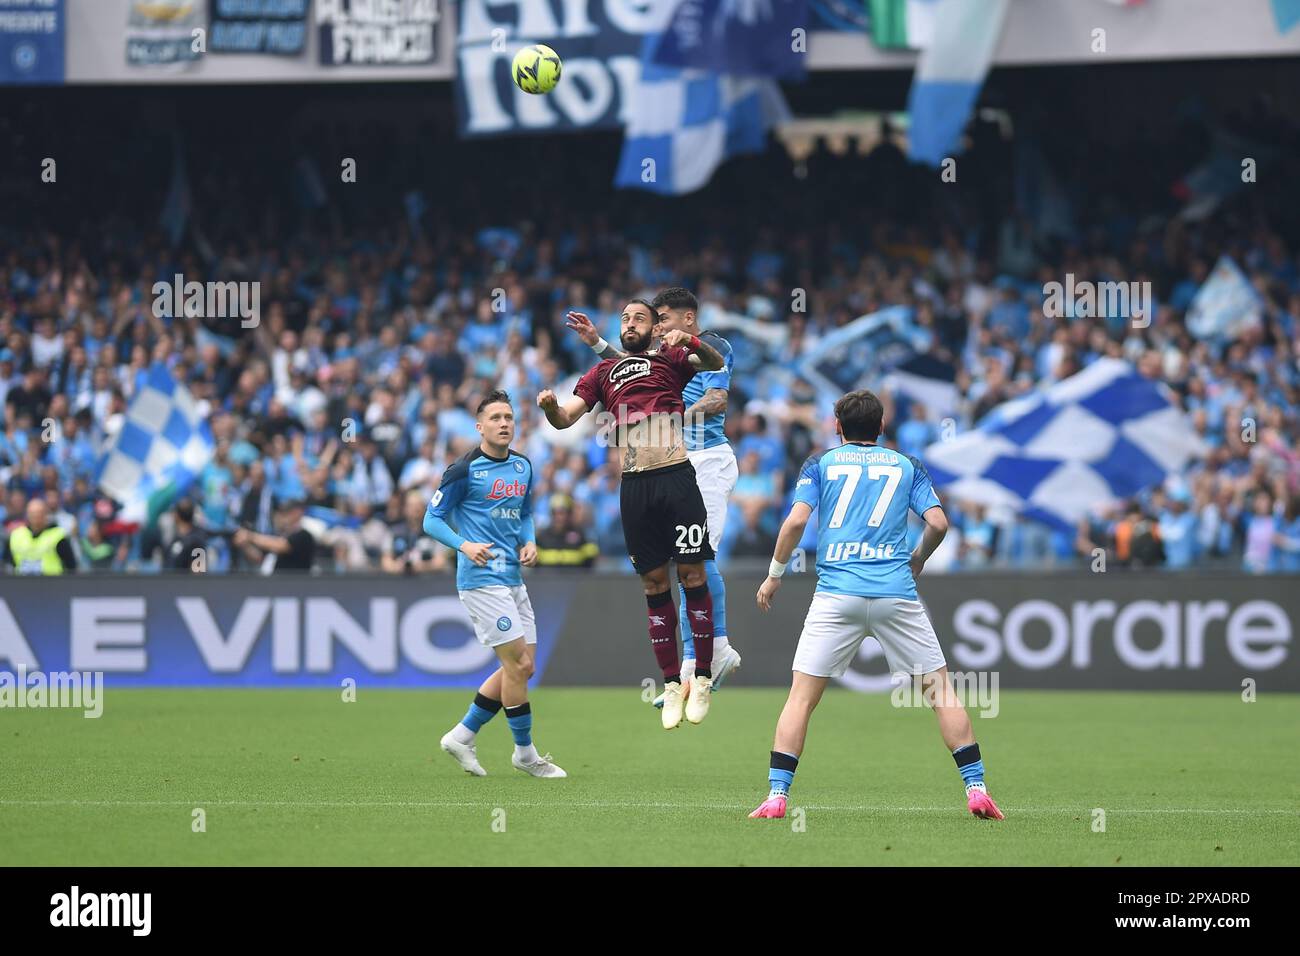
(740, 37)
(1099, 436)
(950, 73)
(162, 446)
(684, 123)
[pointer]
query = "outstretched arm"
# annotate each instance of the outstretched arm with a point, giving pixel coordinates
(561, 416)
(578, 322)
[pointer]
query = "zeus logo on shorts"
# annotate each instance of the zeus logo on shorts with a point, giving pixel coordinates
(860, 550)
(503, 623)
(628, 370)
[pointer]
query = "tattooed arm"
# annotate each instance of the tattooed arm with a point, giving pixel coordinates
(713, 401)
(702, 355)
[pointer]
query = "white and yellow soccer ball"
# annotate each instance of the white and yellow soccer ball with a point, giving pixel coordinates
(536, 69)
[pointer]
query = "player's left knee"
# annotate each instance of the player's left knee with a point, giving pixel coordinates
(692, 575)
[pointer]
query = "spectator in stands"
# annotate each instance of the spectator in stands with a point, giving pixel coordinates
(410, 550)
(188, 548)
(40, 547)
(1178, 530)
(292, 548)
(562, 544)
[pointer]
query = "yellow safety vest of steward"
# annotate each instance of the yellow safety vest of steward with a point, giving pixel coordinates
(36, 554)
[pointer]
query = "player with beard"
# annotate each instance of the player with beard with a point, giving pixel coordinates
(705, 397)
(664, 517)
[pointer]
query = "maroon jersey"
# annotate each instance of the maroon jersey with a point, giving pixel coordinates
(635, 386)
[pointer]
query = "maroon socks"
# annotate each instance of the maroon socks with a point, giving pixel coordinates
(699, 611)
(661, 617)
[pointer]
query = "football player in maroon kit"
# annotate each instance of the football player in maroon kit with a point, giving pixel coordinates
(663, 513)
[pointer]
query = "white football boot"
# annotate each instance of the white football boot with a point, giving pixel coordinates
(697, 707)
(688, 671)
(464, 754)
(543, 767)
(673, 705)
(724, 664)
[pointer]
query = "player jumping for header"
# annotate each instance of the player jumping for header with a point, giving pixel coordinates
(488, 495)
(705, 397)
(664, 518)
(865, 585)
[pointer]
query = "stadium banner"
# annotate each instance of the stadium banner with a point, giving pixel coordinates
(362, 32)
(31, 42)
(601, 44)
(256, 631)
(161, 33)
(277, 27)
(1105, 631)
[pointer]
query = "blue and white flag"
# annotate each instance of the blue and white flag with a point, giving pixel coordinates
(164, 441)
(740, 37)
(950, 73)
(858, 354)
(1100, 436)
(1225, 305)
(682, 125)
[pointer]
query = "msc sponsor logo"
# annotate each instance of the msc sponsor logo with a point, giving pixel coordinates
(857, 550)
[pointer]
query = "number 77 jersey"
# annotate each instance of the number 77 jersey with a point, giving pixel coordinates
(862, 494)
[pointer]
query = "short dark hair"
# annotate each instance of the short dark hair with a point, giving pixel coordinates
(676, 298)
(185, 510)
(860, 415)
(654, 309)
(492, 397)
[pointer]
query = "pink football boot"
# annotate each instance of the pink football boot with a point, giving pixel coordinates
(773, 808)
(982, 805)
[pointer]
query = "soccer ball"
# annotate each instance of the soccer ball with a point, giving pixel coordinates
(536, 69)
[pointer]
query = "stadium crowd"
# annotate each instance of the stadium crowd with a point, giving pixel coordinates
(335, 417)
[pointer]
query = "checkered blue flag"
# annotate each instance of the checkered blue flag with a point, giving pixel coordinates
(1102, 435)
(688, 122)
(163, 442)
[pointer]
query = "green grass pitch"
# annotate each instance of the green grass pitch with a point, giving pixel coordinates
(302, 777)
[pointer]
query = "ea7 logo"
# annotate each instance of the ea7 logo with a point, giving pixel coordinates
(102, 909)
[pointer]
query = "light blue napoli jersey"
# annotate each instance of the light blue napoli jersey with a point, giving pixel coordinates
(486, 499)
(862, 494)
(711, 431)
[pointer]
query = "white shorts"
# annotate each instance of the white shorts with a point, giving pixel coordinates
(837, 624)
(500, 614)
(716, 474)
